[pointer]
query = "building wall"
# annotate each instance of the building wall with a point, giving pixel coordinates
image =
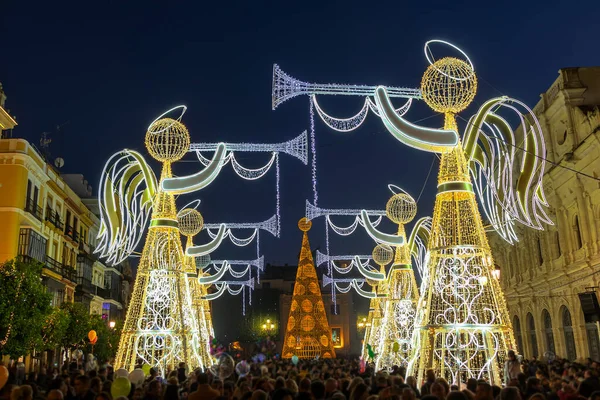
(544, 272)
(43, 218)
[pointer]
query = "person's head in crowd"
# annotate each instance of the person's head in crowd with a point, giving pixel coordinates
(23, 392)
(102, 372)
(470, 395)
(408, 394)
(411, 381)
(279, 383)
(509, 393)
(172, 390)
(106, 385)
(537, 396)
(359, 392)
(496, 391)
(282, 394)
(138, 393)
(153, 373)
(103, 396)
(59, 384)
(55, 394)
(304, 386)
(472, 384)
(317, 389)
(454, 388)
(291, 385)
(483, 391)
(445, 384)
(381, 381)
(259, 395)
(456, 395)
(81, 385)
(96, 385)
(331, 386)
(202, 378)
(353, 383)
(438, 390)
(430, 375)
(217, 384)
(154, 388)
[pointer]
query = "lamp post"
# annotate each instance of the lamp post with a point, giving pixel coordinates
(112, 324)
(268, 326)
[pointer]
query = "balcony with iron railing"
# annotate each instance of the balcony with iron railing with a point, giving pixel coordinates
(85, 285)
(54, 218)
(64, 270)
(32, 208)
(71, 233)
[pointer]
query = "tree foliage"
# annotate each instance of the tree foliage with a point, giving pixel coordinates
(78, 326)
(108, 339)
(55, 328)
(24, 307)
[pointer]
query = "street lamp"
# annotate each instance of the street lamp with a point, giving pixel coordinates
(268, 325)
(112, 324)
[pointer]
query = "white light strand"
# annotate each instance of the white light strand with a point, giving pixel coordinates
(346, 231)
(296, 147)
(259, 263)
(352, 123)
(237, 241)
(286, 87)
(270, 225)
(277, 196)
(313, 212)
(323, 258)
(313, 149)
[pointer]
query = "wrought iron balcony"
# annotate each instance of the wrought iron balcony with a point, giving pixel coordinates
(72, 233)
(54, 218)
(63, 270)
(32, 208)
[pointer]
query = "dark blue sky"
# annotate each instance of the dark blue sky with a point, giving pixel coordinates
(107, 68)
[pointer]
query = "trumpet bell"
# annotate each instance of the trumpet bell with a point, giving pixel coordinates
(286, 87)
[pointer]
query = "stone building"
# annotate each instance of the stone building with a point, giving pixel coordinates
(543, 274)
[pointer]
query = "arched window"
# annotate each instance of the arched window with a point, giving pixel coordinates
(532, 335)
(577, 233)
(548, 331)
(518, 336)
(591, 331)
(568, 332)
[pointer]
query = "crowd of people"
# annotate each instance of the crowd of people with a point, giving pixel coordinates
(335, 379)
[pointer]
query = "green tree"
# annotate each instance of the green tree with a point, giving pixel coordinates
(108, 339)
(24, 307)
(55, 328)
(78, 326)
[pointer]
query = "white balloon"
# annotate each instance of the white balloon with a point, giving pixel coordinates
(121, 373)
(137, 376)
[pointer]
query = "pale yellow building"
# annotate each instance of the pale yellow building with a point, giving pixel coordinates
(544, 272)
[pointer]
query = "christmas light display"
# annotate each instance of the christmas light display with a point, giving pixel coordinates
(161, 327)
(307, 335)
(168, 320)
(191, 223)
(462, 329)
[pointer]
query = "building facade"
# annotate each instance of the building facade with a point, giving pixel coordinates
(42, 218)
(543, 274)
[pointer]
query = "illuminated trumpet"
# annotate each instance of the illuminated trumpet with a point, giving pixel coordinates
(269, 225)
(313, 212)
(324, 258)
(286, 87)
(296, 147)
(258, 263)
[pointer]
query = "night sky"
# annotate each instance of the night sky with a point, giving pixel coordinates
(104, 70)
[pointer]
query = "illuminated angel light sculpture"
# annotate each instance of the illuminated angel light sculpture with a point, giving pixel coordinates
(160, 326)
(308, 334)
(462, 327)
(394, 342)
(191, 223)
(382, 255)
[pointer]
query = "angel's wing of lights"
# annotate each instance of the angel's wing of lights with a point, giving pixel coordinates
(126, 192)
(507, 166)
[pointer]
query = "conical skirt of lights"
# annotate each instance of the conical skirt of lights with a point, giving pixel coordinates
(462, 328)
(307, 334)
(160, 328)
